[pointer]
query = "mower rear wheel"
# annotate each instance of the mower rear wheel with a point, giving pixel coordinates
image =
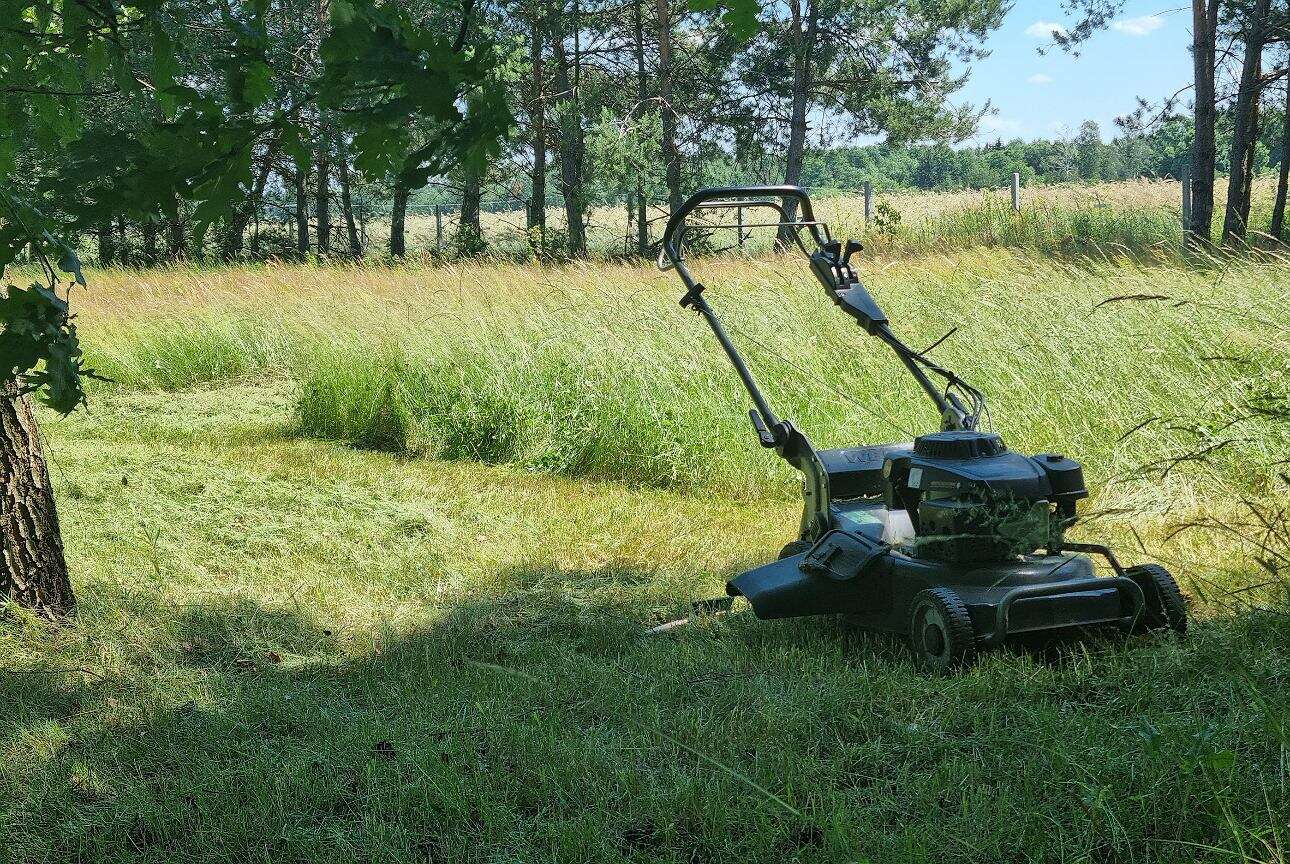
(797, 547)
(940, 631)
(1165, 606)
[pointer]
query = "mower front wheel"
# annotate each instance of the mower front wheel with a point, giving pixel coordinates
(940, 631)
(1164, 601)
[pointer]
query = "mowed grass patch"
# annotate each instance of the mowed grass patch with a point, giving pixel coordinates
(293, 650)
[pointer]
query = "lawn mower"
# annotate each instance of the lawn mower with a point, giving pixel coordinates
(951, 540)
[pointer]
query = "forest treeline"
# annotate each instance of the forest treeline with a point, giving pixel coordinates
(629, 103)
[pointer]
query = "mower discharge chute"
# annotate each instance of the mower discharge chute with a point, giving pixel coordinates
(951, 540)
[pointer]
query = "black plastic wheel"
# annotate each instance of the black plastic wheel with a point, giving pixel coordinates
(940, 631)
(797, 547)
(1165, 605)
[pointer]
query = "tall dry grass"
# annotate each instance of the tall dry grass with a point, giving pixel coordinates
(593, 369)
(1140, 215)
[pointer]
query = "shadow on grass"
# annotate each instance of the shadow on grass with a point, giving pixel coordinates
(539, 725)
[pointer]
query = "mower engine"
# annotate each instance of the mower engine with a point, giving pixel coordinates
(970, 500)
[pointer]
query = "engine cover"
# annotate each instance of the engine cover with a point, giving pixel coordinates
(971, 499)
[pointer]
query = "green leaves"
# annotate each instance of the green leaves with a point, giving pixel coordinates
(739, 15)
(383, 71)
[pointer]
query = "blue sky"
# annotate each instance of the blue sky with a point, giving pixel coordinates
(1143, 54)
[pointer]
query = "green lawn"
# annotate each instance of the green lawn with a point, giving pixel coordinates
(291, 650)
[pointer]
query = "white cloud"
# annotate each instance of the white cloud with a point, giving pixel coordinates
(1139, 26)
(1045, 30)
(1040, 78)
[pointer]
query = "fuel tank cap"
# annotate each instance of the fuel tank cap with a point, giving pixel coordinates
(959, 444)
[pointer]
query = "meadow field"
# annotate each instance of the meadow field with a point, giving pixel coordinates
(1140, 216)
(366, 557)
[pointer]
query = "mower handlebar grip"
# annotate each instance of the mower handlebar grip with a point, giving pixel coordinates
(670, 254)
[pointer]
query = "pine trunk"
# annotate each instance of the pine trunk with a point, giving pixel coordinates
(398, 218)
(470, 236)
(33, 571)
(1205, 147)
(1283, 175)
(1243, 120)
(177, 234)
(671, 155)
(107, 245)
(804, 31)
(322, 205)
(573, 149)
(302, 214)
(347, 203)
(642, 97)
(537, 205)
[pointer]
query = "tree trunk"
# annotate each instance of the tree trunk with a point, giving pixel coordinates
(573, 150)
(398, 217)
(537, 204)
(302, 214)
(123, 242)
(347, 203)
(235, 235)
(149, 229)
(1283, 175)
(1247, 188)
(470, 237)
(803, 49)
(642, 96)
(107, 245)
(1204, 147)
(1243, 119)
(671, 156)
(33, 571)
(177, 234)
(322, 205)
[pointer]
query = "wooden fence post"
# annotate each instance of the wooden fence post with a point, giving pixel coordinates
(1016, 192)
(438, 226)
(739, 217)
(868, 200)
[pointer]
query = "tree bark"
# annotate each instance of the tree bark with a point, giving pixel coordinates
(235, 235)
(671, 155)
(347, 203)
(33, 570)
(322, 205)
(1283, 175)
(302, 214)
(537, 203)
(1204, 147)
(177, 234)
(149, 230)
(803, 48)
(123, 242)
(1243, 119)
(107, 245)
(642, 96)
(573, 149)
(398, 218)
(470, 236)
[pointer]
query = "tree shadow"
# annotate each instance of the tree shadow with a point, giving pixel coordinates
(540, 724)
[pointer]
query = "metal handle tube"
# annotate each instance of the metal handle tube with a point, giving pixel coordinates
(902, 351)
(676, 220)
(745, 374)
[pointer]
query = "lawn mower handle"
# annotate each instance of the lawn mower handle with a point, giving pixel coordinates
(669, 255)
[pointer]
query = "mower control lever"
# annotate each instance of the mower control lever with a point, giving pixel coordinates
(764, 435)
